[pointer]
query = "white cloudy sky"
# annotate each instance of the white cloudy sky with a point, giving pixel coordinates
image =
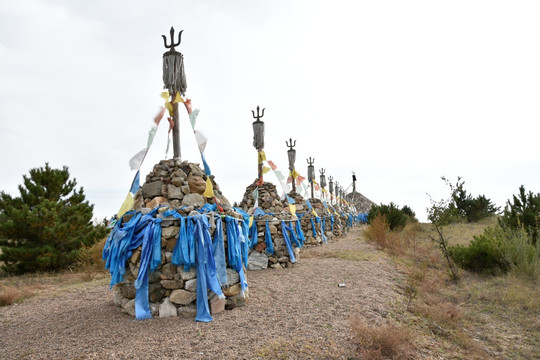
(402, 92)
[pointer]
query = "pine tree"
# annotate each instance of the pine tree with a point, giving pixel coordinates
(523, 211)
(45, 228)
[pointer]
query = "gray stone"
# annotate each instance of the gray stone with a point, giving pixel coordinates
(273, 229)
(217, 305)
(168, 271)
(191, 273)
(257, 261)
(154, 309)
(188, 310)
(185, 189)
(196, 170)
(129, 307)
(117, 297)
(178, 181)
(232, 277)
(170, 232)
(191, 285)
(168, 256)
(182, 297)
(195, 200)
(235, 301)
(276, 266)
(283, 259)
(167, 309)
(174, 192)
(155, 292)
(152, 189)
(128, 291)
(154, 277)
(172, 284)
(179, 173)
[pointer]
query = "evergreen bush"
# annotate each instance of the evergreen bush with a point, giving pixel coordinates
(523, 211)
(47, 225)
(397, 218)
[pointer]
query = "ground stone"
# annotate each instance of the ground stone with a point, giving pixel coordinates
(152, 189)
(129, 307)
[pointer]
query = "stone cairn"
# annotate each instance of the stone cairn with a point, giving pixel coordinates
(270, 203)
(172, 291)
(362, 203)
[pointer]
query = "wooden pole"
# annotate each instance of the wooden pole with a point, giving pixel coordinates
(176, 131)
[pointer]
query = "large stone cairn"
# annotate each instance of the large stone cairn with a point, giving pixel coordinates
(362, 203)
(269, 202)
(172, 291)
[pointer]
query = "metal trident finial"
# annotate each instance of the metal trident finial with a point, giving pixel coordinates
(321, 171)
(330, 178)
(258, 115)
(290, 143)
(310, 161)
(173, 44)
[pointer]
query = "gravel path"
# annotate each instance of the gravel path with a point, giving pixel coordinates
(296, 313)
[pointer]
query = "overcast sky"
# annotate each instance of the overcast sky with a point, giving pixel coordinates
(401, 92)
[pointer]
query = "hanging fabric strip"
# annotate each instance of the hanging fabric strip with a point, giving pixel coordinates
(218, 246)
(332, 222)
(300, 233)
(285, 231)
(268, 239)
(313, 230)
(323, 230)
(253, 235)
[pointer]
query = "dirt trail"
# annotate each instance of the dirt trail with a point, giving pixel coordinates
(293, 313)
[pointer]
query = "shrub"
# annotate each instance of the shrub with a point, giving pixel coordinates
(523, 211)
(397, 218)
(499, 250)
(483, 254)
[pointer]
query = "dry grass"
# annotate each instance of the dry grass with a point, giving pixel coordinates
(90, 258)
(378, 232)
(386, 341)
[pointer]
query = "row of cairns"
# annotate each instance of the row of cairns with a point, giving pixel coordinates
(173, 184)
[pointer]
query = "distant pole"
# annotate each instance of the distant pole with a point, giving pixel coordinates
(331, 185)
(311, 173)
(354, 184)
(174, 80)
(258, 140)
(323, 180)
(291, 153)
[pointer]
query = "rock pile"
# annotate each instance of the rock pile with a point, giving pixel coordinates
(173, 290)
(362, 203)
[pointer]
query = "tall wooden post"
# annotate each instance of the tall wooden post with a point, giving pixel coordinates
(174, 80)
(291, 154)
(311, 174)
(331, 185)
(258, 140)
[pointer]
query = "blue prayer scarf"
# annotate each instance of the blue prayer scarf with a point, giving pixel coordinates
(285, 230)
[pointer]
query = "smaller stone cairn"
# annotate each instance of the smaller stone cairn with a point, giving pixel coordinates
(362, 203)
(270, 203)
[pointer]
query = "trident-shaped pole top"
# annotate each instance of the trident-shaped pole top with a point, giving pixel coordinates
(330, 178)
(310, 161)
(173, 44)
(321, 171)
(259, 116)
(290, 143)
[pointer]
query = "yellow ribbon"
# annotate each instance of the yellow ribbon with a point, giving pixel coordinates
(250, 221)
(266, 169)
(261, 156)
(168, 105)
(294, 174)
(209, 191)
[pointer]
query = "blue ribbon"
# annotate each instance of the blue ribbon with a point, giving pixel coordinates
(301, 237)
(313, 230)
(285, 230)
(218, 245)
(268, 239)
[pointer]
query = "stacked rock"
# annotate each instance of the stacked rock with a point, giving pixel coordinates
(173, 289)
(275, 212)
(360, 202)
